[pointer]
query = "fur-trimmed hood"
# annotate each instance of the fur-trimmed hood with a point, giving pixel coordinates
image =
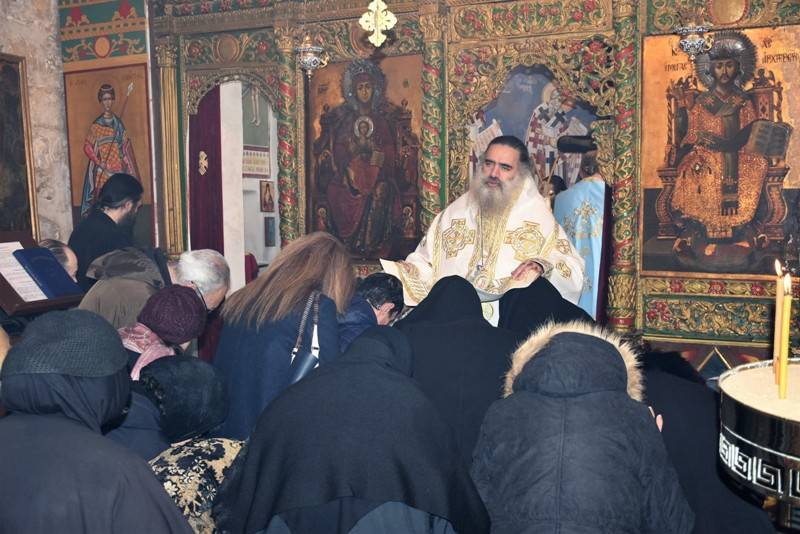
(574, 358)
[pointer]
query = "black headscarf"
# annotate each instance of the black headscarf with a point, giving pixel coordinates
(524, 310)
(64, 380)
(92, 402)
(451, 297)
(460, 360)
(189, 393)
(356, 428)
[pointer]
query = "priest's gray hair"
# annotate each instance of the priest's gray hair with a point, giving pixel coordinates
(206, 268)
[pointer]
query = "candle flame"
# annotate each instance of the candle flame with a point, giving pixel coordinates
(778, 267)
(787, 284)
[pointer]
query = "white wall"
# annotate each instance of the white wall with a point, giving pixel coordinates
(231, 137)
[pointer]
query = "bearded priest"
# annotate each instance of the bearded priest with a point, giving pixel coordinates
(499, 235)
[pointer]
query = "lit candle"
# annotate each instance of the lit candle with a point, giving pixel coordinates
(783, 376)
(776, 339)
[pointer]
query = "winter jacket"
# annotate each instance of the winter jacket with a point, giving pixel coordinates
(126, 278)
(571, 449)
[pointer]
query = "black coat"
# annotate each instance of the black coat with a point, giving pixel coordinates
(525, 310)
(94, 236)
(460, 360)
(691, 435)
(359, 428)
(571, 450)
(59, 474)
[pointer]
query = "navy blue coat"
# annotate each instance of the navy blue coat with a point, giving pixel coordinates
(254, 362)
(358, 317)
(571, 451)
(140, 431)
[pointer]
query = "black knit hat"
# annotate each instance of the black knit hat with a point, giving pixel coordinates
(189, 394)
(72, 343)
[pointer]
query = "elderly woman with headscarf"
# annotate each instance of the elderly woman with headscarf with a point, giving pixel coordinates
(459, 358)
(355, 447)
(175, 399)
(189, 401)
(169, 321)
(62, 381)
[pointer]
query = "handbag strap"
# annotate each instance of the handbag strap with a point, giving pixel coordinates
(314, 337)
(313, 301)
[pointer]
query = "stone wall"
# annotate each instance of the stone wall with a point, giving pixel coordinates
(29, 28)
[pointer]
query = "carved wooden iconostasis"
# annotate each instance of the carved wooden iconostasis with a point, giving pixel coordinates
(467, 52)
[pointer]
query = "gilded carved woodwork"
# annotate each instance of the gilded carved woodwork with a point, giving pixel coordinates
(695, 307)
(166, 52)
(527, 18)
(346, 40)
(663, 15)
(431, 162)
(582, 68)
(728, 319)
(603, 135)
(626, 52)
(197, 83)
(707, 287)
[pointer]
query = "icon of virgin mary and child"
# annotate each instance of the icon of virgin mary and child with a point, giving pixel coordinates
(359, 162)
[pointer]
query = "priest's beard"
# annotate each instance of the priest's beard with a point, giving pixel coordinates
(493, 201)
(128, 220)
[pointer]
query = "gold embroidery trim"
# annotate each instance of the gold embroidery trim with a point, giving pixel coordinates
(563, 269)
(456, 238)
(562, 245)
(437, 239)
(409, 276)
(527, 241)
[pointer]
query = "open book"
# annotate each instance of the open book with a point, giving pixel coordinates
(34, 273)
(768, 139)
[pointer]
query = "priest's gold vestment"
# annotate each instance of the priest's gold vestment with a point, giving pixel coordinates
(485, 250)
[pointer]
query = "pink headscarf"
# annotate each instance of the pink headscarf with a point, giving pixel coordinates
(141, 339)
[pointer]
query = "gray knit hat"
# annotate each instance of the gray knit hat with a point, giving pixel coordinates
(73, 343)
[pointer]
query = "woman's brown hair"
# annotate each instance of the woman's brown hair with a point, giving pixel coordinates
(316, 261)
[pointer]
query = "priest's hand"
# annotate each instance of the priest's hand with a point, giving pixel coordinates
(525, 269)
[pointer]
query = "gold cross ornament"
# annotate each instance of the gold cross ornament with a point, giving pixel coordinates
(377, 20)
